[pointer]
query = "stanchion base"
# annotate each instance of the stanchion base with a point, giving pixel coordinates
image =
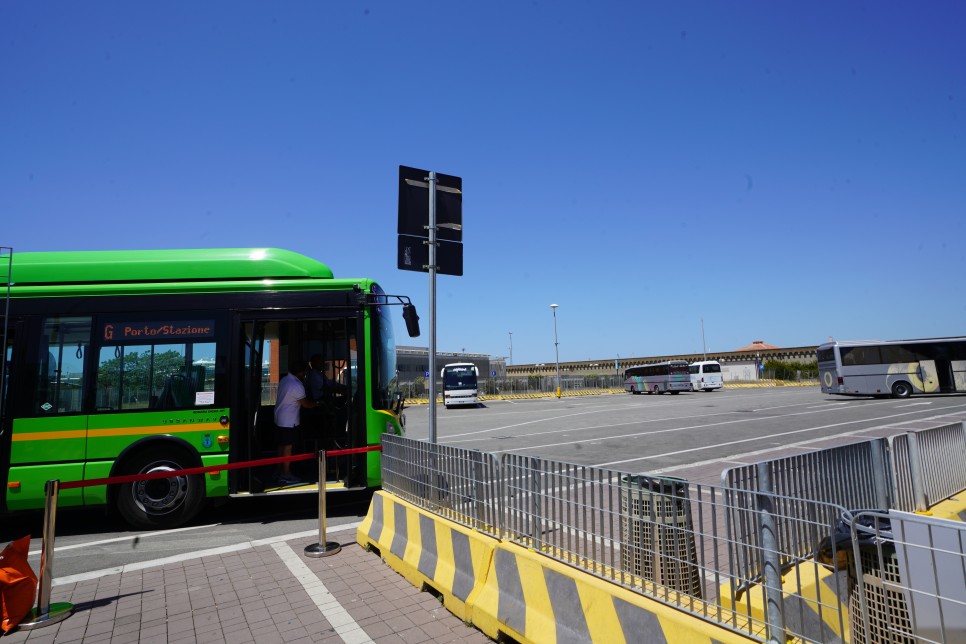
(319, 550)
(55, 613)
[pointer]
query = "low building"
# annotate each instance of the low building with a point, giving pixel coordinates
(412, 363)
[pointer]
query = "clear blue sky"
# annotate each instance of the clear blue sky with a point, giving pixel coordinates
(785, 171)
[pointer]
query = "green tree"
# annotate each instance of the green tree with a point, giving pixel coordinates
(783, 370)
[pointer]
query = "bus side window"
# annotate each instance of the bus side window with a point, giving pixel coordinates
(155, 376)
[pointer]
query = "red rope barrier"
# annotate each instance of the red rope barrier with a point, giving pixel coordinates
(132, 478)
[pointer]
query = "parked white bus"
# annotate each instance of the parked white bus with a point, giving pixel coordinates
(898, 368)
(658, 378)
(459, 384)
(706, 375)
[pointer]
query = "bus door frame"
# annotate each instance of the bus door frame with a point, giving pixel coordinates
(9, 390)
(245, 400)
(944, 374)
(246, 392)
(929, 376)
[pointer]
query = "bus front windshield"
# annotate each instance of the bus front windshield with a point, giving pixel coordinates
(459, 378)
(385, 381)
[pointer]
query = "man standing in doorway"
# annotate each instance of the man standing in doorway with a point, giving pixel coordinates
(288, 407)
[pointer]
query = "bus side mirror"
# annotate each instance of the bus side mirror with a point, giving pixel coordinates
(412, 320)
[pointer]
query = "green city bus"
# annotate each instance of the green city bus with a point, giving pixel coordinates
(128, 362)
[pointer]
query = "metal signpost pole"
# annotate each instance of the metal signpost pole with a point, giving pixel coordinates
(436, 240)
(432, 306)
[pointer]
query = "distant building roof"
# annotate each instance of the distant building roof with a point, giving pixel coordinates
(756, 345)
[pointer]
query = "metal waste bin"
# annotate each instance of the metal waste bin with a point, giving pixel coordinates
(657, 536)
(873, 570)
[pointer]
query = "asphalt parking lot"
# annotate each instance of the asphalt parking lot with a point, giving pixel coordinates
(668, 433)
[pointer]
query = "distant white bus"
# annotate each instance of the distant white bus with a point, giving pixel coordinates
(898, 368)
(705, 375)
(658, 378)
(459, 384)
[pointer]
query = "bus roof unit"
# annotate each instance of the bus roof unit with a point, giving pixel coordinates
(200, 264)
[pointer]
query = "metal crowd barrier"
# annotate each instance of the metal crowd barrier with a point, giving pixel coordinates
(907, 578)
(668, 539)
(767, 564)
(814, 485)
(665, 538)
(917, 486)
(854, 476)
(459, 484)
(878, 474)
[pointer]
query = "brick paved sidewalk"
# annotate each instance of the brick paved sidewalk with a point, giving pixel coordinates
(265, 593)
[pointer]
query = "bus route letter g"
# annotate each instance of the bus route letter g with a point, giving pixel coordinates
(108, 331)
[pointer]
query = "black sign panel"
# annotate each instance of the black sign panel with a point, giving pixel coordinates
(414, 256)
(414, 204)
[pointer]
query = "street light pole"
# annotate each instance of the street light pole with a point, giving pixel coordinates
(703, 344)
(556, 347)
(511, 346)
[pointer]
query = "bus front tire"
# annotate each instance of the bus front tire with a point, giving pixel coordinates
(160, 503)
(901, 390)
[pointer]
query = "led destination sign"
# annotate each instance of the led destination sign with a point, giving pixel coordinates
(177, 330)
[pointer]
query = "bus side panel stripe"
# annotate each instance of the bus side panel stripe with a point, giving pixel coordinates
(117, 431)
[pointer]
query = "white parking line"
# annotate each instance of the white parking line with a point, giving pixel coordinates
(475, 434)
(728, 443)
(133, 537)
(95, 574)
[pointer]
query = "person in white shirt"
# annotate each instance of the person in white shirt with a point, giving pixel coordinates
(289, 403)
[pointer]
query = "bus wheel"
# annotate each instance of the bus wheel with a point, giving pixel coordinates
(901, 390)
(160, 503)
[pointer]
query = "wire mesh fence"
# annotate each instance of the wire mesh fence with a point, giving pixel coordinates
(668, 539)
(768, 554)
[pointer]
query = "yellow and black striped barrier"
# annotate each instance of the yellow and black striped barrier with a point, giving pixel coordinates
(428, 551)
(507, 590)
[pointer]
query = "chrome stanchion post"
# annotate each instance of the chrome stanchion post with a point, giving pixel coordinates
(323, 548)
(44, 613)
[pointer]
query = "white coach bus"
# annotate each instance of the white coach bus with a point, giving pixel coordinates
(706, 375)
(897, 368)
(459, 384)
